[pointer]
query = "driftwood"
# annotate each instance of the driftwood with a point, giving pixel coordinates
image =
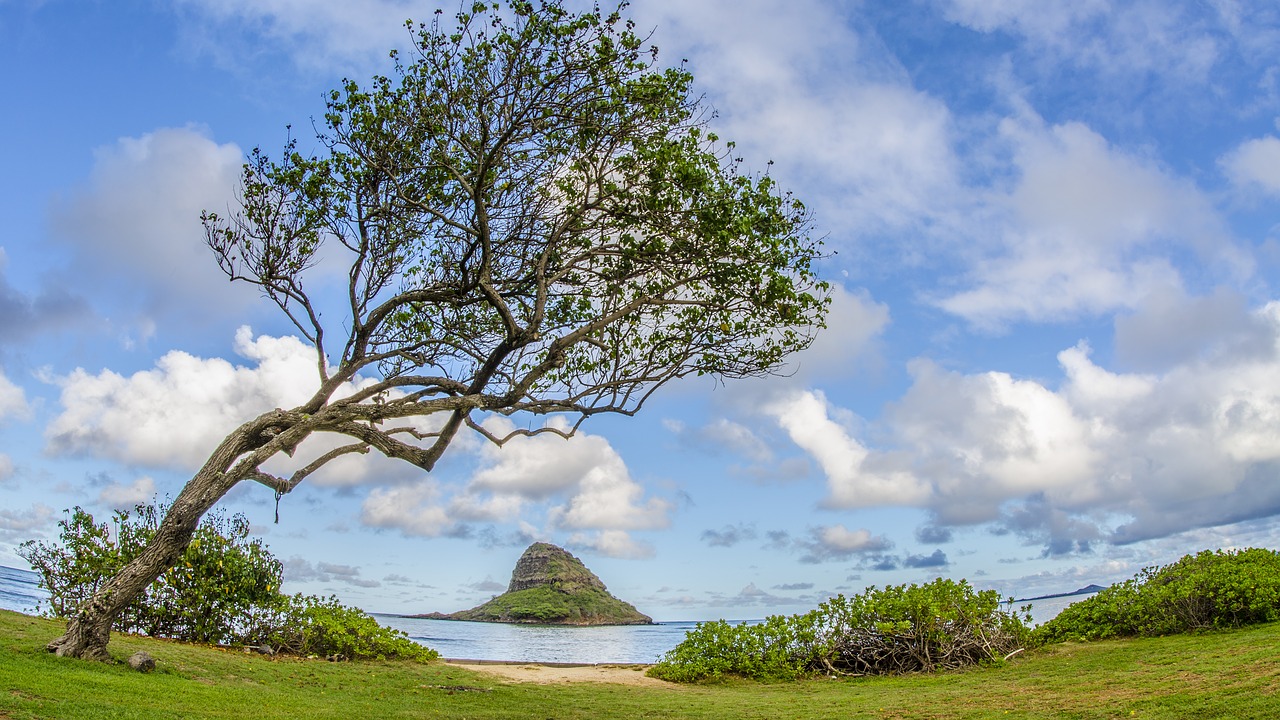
(949, 646)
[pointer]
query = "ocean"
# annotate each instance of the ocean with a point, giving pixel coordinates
(626, 644)
(20, 590)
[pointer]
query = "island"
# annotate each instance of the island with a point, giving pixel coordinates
(549, 586)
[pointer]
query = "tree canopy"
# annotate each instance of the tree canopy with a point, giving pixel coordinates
(535, 218)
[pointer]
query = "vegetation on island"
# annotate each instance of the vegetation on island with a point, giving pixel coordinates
(549, 606)
(224, 590)
(549, 586)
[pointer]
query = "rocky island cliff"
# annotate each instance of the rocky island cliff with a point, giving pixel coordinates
(549, 586)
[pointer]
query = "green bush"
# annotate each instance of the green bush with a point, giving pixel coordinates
(225, 589)
(1205, 591)
(308, 625)
(220, 577)
(897, 629)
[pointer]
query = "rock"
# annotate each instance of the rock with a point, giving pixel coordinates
(549, 586)
(142, 662)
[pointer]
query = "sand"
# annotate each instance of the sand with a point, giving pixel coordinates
(552, 673)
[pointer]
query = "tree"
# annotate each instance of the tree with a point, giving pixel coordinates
(535, 219)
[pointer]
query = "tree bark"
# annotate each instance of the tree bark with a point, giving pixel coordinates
(90, 628)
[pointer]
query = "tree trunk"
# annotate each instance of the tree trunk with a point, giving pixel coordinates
(90, 628)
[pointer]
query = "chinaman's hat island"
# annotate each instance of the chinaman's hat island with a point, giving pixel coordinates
(549, 586)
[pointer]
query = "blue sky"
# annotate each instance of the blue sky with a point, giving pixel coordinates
(1052, 358)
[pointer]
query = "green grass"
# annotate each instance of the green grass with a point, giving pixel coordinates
(1231, 674)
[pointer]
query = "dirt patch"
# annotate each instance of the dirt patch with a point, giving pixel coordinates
(552, 674)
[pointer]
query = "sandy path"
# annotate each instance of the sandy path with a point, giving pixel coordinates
(546, 674)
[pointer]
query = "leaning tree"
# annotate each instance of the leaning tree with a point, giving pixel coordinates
(535, 219)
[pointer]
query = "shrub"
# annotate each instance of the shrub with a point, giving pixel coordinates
(308, 625)
(224, 590)
(1208, 590)
(222, 574)
(897, 629)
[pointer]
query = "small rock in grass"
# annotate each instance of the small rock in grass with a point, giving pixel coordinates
(142, 662)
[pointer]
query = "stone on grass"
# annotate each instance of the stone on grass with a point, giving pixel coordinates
(142, 662)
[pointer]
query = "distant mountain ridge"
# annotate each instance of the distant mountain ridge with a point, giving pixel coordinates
(549, 586)
(1086, 590)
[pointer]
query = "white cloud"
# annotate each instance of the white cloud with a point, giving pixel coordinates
(840, 540)
(13, 404)
(721, 436)
(851, 480)
(413, 510)
(120, 496)
(612, 543)
(174, 415)
(855, 322)
(1108, 455)
(135, 227)
(541, 466)
(13, 400)
(576, 484)
(22, 316)
(1170, 39)
(1255, 164)
(585, 469)
(19, 526)
(796, 84)
(321, 36)
(299, 569)
(1086, 229)
(1168, 329)
(607, 498)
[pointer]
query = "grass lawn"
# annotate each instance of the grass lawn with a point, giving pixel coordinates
(1220, 675)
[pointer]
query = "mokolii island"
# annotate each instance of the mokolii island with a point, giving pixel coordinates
(549, 586)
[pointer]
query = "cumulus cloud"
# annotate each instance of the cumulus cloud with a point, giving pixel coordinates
(612, 543)
(797, 84)
(1086, 229)
(729, 535)
(13, 404)
(794, 586)
(319, 36)
(1169, 39)
(936, 559)
(21, 525)
(585, 469)
(135, 227)
(413, 510)
(850, 342)
(1170, 328)
(23, 316)
(1255, 165)
(1111, 456)
(121, 496)
(722, 436)
(299, 569)
(837, 542)
(13, 400)
(174, 415)
(853, 478)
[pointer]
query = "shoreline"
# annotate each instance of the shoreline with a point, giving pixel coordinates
(564, 673)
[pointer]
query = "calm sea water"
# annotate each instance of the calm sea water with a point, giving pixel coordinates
(538, 643)
(19, 591)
